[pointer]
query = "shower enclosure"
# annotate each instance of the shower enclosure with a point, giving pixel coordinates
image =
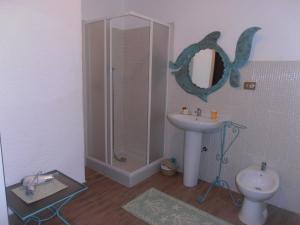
(125, 70)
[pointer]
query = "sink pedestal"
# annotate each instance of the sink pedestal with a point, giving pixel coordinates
(194, 127)
(192, 152)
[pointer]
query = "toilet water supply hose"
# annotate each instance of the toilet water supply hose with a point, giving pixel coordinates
(218, 182)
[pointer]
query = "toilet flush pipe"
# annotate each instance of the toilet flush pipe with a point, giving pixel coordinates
(218, 182)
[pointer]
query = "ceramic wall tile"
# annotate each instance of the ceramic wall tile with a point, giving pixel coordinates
(272, 115)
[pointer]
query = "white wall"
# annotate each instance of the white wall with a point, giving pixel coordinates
(41, 117)
(196, 18)
(92, 9)
(3, 206)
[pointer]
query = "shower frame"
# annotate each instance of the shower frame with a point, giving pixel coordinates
(107, 168)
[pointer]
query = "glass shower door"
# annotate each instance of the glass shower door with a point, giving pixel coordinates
(158, 90)
(95, 90)
(129, 71)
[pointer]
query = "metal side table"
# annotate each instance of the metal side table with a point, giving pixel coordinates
(53, 204)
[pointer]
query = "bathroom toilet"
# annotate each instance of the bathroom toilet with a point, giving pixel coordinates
(257, 185)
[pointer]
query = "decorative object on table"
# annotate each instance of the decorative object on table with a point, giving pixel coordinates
(202, 68)
(221, 157)
(41, 190)
(30, 182)
(168, 167)
(157, 208)
(54, 203)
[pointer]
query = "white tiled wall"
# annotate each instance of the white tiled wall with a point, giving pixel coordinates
(272, 115)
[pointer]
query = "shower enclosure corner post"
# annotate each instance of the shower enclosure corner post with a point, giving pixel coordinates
(110, 94)
(105, 90)
(149, 90)
(170, 56)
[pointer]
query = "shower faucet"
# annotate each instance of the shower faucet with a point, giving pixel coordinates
(198, 112)
(263, 166)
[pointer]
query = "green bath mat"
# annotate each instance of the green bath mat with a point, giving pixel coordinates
(157, 208)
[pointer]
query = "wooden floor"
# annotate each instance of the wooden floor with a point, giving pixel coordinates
(101, 204)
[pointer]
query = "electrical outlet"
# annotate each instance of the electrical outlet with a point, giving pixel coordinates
(249, 85)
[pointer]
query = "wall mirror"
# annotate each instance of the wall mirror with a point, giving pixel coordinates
(206, 68)
(202, 68)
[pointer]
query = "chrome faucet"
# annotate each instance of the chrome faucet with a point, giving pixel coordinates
(198, 112)
(263, 166)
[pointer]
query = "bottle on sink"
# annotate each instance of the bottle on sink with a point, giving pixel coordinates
(185, 110)
(214, 115)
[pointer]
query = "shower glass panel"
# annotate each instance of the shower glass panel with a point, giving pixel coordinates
(158, 90)
(95, 89)
(129, 76)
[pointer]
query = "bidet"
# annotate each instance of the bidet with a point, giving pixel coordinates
(257, 184)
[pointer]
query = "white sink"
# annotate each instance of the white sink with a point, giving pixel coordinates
(193, 123)
(194, 128)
